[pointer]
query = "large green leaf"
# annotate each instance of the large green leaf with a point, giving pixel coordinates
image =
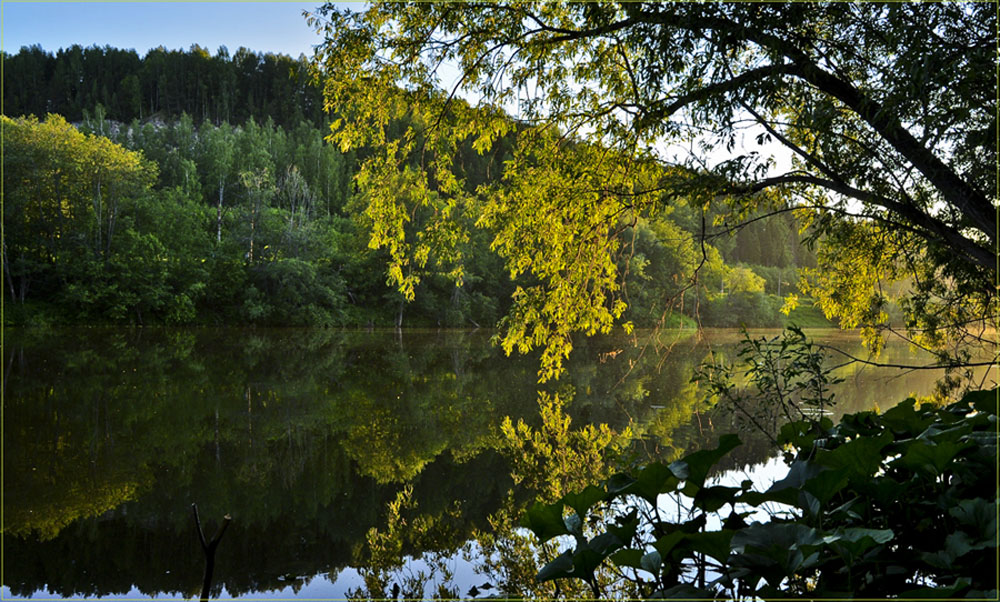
(545, 521)
(649, 562)
(628, 557)
(667, 543)
(763, 536)
(905, 420)
(852, 542)
(586, 559)
(956, 545)
(798, 433)
(979, 514)
(789, 496)
(985, 401)
(803, 475)
(561, 567)
(716, 544)
(582, 502)
(651, 481)
(695, 467)
(923, 456)
(827, 484)
(711, 499)
(860, 458)
(774, 551)
(617, 484)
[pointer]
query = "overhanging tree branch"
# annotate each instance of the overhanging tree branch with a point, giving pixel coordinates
(956, 191)
(934, 229)
(737, 82)
(973, 204)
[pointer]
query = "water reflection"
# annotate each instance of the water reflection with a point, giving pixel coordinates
(307, 438)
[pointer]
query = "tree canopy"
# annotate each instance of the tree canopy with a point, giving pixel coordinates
(163, 83)
(884, 110)
(256, 222)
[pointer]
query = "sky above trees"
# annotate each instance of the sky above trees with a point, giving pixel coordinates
(270, 26)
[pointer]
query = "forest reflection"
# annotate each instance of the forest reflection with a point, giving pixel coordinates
(329, 449)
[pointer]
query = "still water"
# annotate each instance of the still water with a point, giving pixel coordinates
(306, 438)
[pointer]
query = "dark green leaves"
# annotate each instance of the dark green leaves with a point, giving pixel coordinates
(904, 419)
(984, 401)
(588, 555)
(581, 502)
(545, 521)
(879, 505)
(694, 468)
(649, 483)
(930, 457)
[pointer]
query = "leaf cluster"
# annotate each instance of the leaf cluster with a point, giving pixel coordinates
(786, 379)
(895, 504)
(882, 108)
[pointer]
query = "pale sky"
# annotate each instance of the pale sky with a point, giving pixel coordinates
(261, 26)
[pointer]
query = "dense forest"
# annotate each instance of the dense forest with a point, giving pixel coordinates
(163, 83)
(185, 188)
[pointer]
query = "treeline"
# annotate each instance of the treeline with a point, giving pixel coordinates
(182, 220)
(251, 224)
(165, 83)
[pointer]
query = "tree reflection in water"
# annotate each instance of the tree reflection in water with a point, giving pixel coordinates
(310, 440)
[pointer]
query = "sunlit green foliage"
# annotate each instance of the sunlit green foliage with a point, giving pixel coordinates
(858, 278)
(70, 207)
(291, 237)
(405, 530)
(862, 96)
(555, 459)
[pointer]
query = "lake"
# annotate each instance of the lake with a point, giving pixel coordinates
(309, 439)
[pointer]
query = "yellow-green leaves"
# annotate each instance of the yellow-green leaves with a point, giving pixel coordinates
(555, 219)
(554, 215)
(858, 261)
(63, 189)
(791, 302)
(590, 96)
(555, 459)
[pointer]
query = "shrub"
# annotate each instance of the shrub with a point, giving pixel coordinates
(896, 504)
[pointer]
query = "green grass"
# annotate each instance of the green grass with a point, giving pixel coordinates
(677, 320)
(807, 315)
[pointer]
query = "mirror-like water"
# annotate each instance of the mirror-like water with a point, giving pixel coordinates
(304, 437)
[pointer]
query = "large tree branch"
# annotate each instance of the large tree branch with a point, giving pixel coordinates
(795, 148)
(568, 35)
(706, 92)
(932, 228)
(956, 191)
(973, 204)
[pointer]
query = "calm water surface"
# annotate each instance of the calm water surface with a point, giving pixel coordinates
(304, 437)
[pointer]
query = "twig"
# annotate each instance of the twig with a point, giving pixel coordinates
(209, 549)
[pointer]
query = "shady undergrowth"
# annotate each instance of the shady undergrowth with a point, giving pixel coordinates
(902, 503)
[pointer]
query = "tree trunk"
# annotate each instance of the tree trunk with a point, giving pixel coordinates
(253, 225)
(112, 217)
(7, 275)
(98, 210)
(218, 213)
